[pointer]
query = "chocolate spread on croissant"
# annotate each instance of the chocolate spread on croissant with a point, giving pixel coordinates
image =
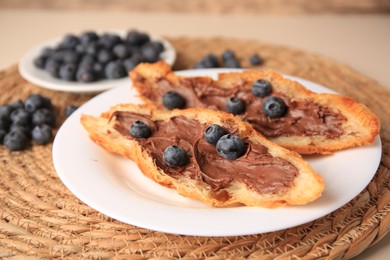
(257, 168)
(303, 118)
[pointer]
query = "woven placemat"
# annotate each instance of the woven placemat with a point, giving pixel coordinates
(40, 217)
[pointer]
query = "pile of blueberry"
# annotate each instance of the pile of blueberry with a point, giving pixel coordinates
(229, 60)
(21, 122)
(91, 57)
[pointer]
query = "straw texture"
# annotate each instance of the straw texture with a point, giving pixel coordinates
(40, 218)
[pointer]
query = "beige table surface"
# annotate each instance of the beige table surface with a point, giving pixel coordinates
(361, 41)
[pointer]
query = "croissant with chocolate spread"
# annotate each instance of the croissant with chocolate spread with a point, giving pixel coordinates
(208, 155)
(282, 110)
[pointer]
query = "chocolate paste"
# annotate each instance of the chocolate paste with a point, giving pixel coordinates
(256, 168)
(303, 118)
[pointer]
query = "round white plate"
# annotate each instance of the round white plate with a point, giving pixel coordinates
(116, 187)
(43, 79)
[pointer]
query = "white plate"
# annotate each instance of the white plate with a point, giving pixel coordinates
(116, 187)
(41, 78)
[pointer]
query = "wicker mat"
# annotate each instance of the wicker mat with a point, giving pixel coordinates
(40, 217)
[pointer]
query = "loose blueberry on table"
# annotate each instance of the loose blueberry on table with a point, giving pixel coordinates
(43, 116)
(42, 134)
(16, 140)
(228, 55)
(256, 59)
(90, 57)
(36, 101)
(22, 121)
(20, 116)
(208, 61)
(25, 129)
(228, 60)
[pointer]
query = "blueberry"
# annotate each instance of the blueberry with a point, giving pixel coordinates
(70, 109)
(175, 156)
(256, 59)
(85, 65)
(15, 140)
(109, 40)
(132, 62)
(93, 48)
(43, 116)
(2, 135)
(20, 117)
(69, 42)
(87, 60)
(230, 146)
(228, 55)
(25, 129)
(150, 53)
(5, 111)
(35, 101)
(88, 36)
(40, 62)
(47, 52)
(81, 48)
(70, 56)
(274, 107)
(137, 38)
(158, 46)
(235, 106)
(58, 55)
(68, 71)
(230, 60)
(98, 69)
(115, 70)
(42, 134)
(52, 66)
(213, 133)
(85, 75)
(104, 56)
(261, 88)
(121, 51)
(4, 123)
(210, 61)
(172, 100)
(140, 130)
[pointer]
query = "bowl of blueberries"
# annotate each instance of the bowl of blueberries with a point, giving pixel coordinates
(92, 61)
